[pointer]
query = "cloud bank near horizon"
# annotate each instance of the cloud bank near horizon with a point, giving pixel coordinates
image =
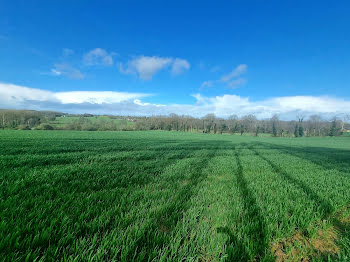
(125, 103)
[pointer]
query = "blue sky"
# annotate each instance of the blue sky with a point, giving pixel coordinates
(191, 57)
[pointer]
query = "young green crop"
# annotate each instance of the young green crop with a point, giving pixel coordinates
(145, 196)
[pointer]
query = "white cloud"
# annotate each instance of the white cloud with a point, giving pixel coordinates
(179, 66)
(55, 72)
(146, 67)
(66, 70)
(123, 103)
(98, 56)
(95, 97)
(321, 105)
(286, 107)
(14, 96)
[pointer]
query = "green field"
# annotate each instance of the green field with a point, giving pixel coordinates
(171, 196)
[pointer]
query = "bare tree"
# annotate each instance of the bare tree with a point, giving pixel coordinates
(249, 123)
(208, 122)
(315, 123)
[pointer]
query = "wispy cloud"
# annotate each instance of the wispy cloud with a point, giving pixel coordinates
(215, 69)
(124, 103)
(37, 52)
(66, 70)
(98, 56)
(207, 84)
(67, 52)
(236, 83)
(145, 67)
(179, 66)
(232, 79)
(238, 71)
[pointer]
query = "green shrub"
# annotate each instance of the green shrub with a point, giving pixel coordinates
(23, 127)
(45, 127)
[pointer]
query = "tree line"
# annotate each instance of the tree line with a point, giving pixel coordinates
(314, 125)
(26, 119)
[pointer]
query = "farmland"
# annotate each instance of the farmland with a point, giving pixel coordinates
(153, 195)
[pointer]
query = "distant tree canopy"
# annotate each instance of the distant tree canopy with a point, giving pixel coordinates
(249, 124)
(25, 119)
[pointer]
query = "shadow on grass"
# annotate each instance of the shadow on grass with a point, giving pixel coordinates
(235, 249)
(327, 158)
(326, 208)
(111, 176)
(255, 246)
(344, 229)
(157, 234)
